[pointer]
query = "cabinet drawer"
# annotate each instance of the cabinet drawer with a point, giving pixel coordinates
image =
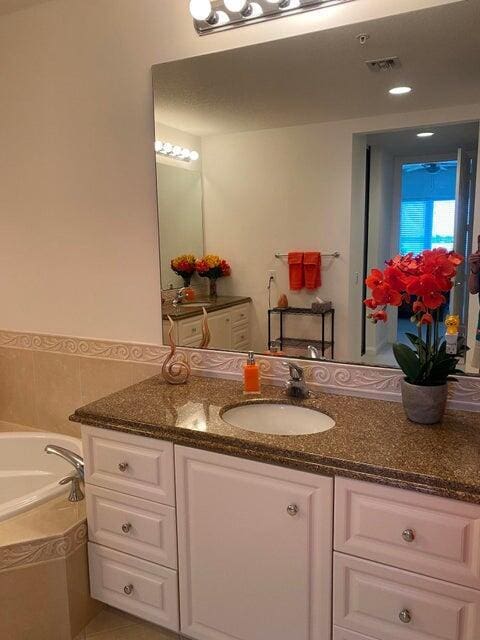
(141, 588)
(140, 527)
(391, 604)
(240, 336)
(434, 536)
(240, 314)
(188, 329)
(134, 465)
(192, 343)
(345, 634)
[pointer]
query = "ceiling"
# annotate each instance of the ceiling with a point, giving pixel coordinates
(322, 76)
(9, 6)
(447, 140)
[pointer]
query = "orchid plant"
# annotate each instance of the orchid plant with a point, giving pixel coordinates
(422, 280)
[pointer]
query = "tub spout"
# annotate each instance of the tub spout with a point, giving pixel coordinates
(70, 456)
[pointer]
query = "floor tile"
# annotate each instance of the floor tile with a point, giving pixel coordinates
(109, 620)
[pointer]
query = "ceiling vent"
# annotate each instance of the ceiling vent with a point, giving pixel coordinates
(384, 64)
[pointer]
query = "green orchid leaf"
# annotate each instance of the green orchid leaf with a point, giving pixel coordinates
(408, 361)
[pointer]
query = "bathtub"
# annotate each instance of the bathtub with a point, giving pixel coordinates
(29, 476)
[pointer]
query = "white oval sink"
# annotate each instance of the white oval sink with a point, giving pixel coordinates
(281, 419)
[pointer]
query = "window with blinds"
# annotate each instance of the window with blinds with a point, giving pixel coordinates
(427, 210)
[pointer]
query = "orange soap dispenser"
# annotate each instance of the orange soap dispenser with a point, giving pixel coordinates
(251, 375)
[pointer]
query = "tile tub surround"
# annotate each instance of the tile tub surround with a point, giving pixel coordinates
(44, 587)
(372, 440)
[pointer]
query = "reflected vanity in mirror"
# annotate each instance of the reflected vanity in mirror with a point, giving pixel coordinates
(289, 170)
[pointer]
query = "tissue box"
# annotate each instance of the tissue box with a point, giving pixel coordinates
(321, 307)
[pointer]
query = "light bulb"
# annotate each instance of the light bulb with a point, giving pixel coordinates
(167, 147)
(194, 155)
(158, 146)
(201, 9)
(177, 150)
(237, 6)
(425, 134)
(400, 91)
(185, 153)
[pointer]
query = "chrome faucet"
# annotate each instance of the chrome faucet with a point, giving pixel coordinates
(179, 297)
(314, 353)
(76, 493)
(296, 387)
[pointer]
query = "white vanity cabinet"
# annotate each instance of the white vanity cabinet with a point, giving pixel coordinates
(406, 565)
(254, 549)
(222, 548)
(229, 329)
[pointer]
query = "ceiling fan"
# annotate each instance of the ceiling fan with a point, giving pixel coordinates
(431, 167)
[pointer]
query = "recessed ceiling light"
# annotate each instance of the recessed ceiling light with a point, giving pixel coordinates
(425, 134)
(400, 91)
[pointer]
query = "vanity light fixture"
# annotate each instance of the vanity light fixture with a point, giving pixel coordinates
(202, 11)
(244, 7)
(176, 152)
(400, 91)
(425, 134)
(217, 15)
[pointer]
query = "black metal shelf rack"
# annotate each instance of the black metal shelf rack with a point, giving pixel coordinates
(322, 344)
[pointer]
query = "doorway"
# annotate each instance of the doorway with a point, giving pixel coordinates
(421, 196)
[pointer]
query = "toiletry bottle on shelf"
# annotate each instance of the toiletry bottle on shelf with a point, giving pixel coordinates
(251, 375)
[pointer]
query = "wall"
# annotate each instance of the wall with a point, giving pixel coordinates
(267, 192)
(380, 231)
(77, 163)
(78, 235)
(298, 188)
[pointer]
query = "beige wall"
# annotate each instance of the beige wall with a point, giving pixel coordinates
(78, 247)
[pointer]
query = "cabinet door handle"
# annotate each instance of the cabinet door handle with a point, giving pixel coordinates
(128, 589)
(126, 527)
(292, 509)
(122, 466)
(408, 535)
(405, 616)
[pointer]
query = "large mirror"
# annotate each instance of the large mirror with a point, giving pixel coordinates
(287, 170)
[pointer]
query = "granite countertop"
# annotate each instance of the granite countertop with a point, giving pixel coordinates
(371, 440)
(189, 310)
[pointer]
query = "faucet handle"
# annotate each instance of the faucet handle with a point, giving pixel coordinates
(76, 493)
(296, 372)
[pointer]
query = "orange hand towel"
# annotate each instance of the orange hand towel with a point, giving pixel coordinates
(295, 270)
(312, 262)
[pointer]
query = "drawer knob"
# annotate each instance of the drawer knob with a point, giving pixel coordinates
(122, 466)
(405, 616)
(292, 509)
(126, 527)
(408, 535)
(128, 589)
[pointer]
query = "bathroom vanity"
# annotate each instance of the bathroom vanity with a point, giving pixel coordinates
(228, 322)
(223, 533)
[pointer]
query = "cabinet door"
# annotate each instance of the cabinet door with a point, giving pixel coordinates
(254, 549)
(219, 323)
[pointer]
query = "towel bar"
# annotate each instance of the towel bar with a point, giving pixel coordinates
(335, 254)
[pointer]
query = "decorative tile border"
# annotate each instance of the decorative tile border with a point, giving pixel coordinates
(333, 377)
(44, 549)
